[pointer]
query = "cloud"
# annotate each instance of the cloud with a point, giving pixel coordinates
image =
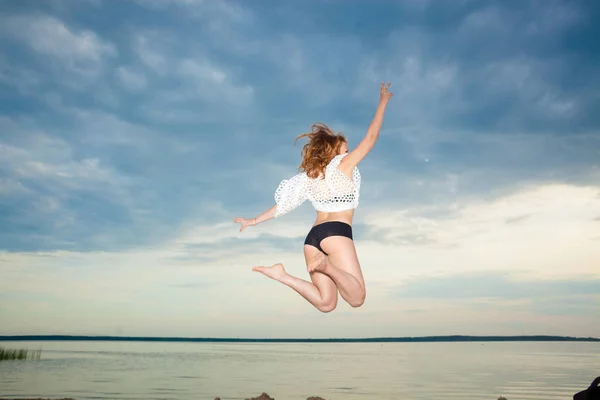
(202, 9)
(212, 83)
(128, 150)
(48, 210)
(132, 80)
(490, 75)
(75, 195)
(162, 4)
(189, 85)
(515, 220)
(473, 236)
(484, 285)
(80, 51)
(555, 297)
(149, 47)
(25, 81)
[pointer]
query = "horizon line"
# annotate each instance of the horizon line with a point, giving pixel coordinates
(440, 338)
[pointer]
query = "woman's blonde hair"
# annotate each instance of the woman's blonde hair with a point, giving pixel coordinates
(323, 145)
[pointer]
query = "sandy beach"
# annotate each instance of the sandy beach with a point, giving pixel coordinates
(263, 396)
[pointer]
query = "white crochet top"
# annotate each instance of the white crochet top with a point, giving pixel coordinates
(334, 192)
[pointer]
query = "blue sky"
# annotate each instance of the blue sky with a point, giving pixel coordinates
(132, 133)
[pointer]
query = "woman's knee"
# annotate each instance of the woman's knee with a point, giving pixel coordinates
(327, 306)
(357, 299)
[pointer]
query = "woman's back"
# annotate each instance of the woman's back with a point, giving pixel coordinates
(336, 196)
(330, 194)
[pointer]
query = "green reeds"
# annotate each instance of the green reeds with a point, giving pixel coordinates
(19, 354)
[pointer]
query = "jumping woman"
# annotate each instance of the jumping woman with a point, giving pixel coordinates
(330, 179)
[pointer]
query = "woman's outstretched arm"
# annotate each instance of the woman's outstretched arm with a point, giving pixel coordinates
(265, 216)
(290, 194)
(364, 147)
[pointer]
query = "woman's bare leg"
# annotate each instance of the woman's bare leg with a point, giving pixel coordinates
(321, 293)
(342, 266)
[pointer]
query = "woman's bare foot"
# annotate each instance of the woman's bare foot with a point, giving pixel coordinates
(318, 263)
(275, 271)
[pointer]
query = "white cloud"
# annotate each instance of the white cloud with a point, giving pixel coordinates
(212, 83)
(45, 172)
(146, 47)
(526, 79)
(536, 234)
(34, 153)
(203, 72)
(531, 233)
(11, 186)
(309, 65)
(81, 51)
(191, 86)
(540, 231)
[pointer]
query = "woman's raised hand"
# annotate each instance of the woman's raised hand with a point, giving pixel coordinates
(245, 222)
(384, 94)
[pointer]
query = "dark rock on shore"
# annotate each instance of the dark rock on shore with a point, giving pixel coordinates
(265, 396)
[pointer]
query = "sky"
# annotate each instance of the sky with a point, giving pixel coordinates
(132, 133)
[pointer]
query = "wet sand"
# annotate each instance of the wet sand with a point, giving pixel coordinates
(263, 396)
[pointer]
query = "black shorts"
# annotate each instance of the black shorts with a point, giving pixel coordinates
(327, 229)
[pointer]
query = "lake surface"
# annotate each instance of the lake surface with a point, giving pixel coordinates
(344, 371)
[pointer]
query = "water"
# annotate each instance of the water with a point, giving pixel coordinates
(348, 371)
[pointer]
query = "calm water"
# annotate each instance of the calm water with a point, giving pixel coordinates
(154, 370)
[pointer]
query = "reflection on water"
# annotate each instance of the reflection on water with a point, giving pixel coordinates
(344, 371)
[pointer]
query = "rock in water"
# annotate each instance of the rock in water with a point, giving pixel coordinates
(501, 398)
(263, 396)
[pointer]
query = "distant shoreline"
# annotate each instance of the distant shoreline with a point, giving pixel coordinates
(419, 339)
